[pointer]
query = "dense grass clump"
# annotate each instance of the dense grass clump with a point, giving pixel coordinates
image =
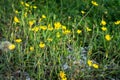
(59, 40)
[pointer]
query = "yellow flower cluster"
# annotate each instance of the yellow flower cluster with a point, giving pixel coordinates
(28, 5)
(92, 64)
(62, 75)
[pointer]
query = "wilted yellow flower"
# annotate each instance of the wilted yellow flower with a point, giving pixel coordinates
(94, 3)
(31, 48)
(88, 29)
(89, 62)
(6, 46)
(11, 47)
(43, 16)
(107, 37)
(103, 23)
(16, 20)
(18, 40)
(83, 12)
(57, 25)
(57, 34)
(62, 74)
(41, 45)
(79, 31)
(95, 66)
(49, 39)
(117, 22)
(104, 28)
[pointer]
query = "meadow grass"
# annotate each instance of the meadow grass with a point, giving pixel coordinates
(60, 39)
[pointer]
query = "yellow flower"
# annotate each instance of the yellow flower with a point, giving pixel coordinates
(64, 78)
(66, 31)
(94, 3)
(83, 12)
(62, 74)
(16, 11)
(50, 28)
(79, 31)
(49, 39)
(107, 37)
(31, 22)
(16, 20)
(57, 25)
(34, 7)
(103, 23)
(63, 27)
(41, 45)
(117, 22)
(104, 28)
(22, 2)
(88, 29)
(89, 62)
(43, 16)
(43, 27)
(11, 47)
(18, 40)
(35, 29)
(31, 48)
(57, 34)
(96, 66)
(27, 5)
(25, 14)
